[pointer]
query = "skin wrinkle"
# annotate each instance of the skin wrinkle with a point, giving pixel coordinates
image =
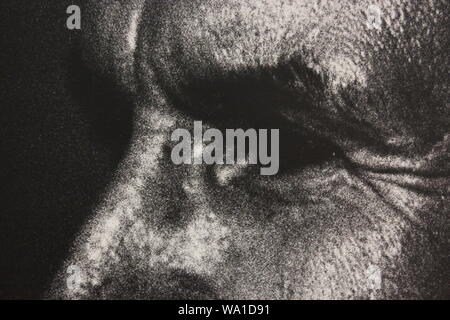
(332, 43)
(312, 233)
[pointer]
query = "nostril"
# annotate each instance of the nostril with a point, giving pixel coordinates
(159, 285)
(179, 285)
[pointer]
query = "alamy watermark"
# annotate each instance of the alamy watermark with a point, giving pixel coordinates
(235, 147)
(74, 20)
(74, 278)
(374, 17)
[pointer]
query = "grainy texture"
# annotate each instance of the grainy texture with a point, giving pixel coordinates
(365, 183)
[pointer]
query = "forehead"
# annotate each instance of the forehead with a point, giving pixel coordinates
(242, 34)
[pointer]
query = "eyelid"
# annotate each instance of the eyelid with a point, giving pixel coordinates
(229, 108)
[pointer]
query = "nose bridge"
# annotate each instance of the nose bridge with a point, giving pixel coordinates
(109, 37)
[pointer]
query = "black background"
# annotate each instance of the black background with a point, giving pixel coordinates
(58, 147)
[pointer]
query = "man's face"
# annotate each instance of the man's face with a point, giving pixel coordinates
(359, 208)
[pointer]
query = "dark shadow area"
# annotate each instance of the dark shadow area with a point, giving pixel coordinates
(108, 109)
(260, 99)
(63, 132)
(171, 285)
